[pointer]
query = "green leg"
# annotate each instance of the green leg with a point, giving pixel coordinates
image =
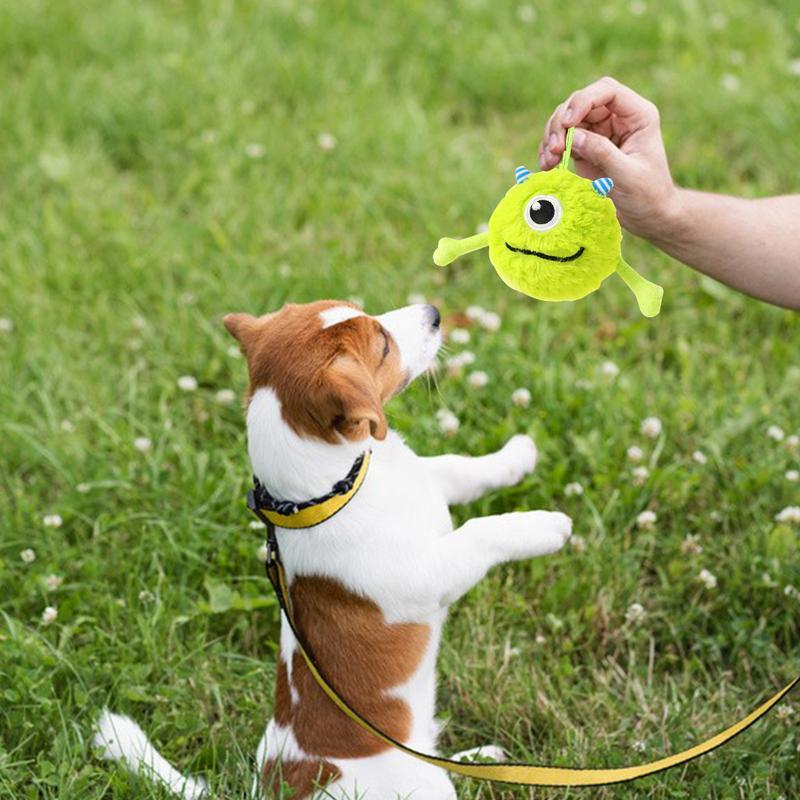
(450, 249)
(648, 295)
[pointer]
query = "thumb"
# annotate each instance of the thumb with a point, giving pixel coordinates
(600, 152)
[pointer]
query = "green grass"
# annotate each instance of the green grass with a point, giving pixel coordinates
(127, 192)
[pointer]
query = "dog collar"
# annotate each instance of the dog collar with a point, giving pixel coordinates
(308, 513)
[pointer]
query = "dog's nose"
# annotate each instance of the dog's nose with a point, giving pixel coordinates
(435, 316)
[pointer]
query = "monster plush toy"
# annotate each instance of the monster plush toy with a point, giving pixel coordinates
(555, 236)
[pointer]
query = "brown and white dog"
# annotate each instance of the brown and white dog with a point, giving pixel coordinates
(370, 586)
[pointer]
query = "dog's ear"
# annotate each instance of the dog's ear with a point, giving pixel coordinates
(242, 327)
(355, 398)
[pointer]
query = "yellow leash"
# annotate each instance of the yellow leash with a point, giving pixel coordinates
(525, 774)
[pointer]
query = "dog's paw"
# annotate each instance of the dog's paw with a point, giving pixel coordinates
(518, 459)
(551, 531)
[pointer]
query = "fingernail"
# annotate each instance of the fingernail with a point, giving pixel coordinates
(579, 139)
(552, 141)
(567, 119)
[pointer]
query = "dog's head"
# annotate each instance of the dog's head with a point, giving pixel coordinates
(332, 367)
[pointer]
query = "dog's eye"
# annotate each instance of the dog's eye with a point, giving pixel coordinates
(385, 344)
(542, 212)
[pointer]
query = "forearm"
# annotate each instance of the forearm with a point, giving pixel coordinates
(750, 245)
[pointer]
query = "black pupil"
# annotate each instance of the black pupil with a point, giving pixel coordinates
(541, 212)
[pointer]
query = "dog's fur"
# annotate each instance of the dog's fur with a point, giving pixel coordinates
(371, 586)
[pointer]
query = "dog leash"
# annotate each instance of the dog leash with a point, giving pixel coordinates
(312, 513)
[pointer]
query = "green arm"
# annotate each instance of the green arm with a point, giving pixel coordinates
(648, 295)
(450, 249)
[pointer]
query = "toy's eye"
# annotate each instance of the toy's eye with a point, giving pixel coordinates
(542, 212)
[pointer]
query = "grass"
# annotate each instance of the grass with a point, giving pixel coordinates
(136, 210)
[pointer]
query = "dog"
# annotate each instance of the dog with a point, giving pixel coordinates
(370, 586)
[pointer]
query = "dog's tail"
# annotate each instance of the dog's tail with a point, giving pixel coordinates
(123, 740)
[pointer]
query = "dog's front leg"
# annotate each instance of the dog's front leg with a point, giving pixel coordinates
(457, 561)
(466, 478)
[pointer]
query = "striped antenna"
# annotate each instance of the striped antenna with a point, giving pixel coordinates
(603, 186)
(521, 174)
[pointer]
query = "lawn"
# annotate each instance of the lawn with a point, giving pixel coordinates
(162, 163)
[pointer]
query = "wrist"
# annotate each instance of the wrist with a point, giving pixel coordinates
(673, 221)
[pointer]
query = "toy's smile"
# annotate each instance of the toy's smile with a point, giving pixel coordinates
(577, 254)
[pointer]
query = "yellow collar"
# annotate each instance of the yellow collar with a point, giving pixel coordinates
(307, 514)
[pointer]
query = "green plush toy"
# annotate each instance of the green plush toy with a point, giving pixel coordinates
(555, 236)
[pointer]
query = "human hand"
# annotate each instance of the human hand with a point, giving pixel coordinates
(618, 135)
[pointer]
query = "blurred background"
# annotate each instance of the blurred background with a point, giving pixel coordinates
(162, 163)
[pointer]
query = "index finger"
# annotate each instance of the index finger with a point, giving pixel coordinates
(592, 104)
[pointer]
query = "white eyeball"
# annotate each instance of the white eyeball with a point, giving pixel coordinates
(542, 212)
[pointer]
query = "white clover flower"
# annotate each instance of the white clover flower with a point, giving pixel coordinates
(459, 336)
(6, 325)
(699, 457)
(526, 14)
(793, 442)
(233, 351)
(640, 475)
(791, 591)
(691, 546)
(255, 150)
(357, 301)
(730, 82)
(789, 515)
(792, 475)
(776, 433)
(284, 270)
(49, 615)
(262, 553)
(784, 711)
(255, 525)
(635, 454)
(708, 579)
(187, 298)
(578, 543)
(53, 582)
(736, 57)
(142, 444)
(67, 426)
(52, 521)
(715, 516)
(521, 397)
(139, 323)
(84, 488)
(651, 427)
(794, 67)
(326, 141)
(457, 362)
(474, 313)
(718, 20)
(27, 555)
(647, 520)
(540, 640)
(416, 299)
(490, 321)
(225, 396)
(582, 383)
(635, 614)
(573, 489)
(482, 227)
(478, 379)
(639, 746)
(448, 422)
(209, 136)
(146, 596)
(187, 383)
(609, 369)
